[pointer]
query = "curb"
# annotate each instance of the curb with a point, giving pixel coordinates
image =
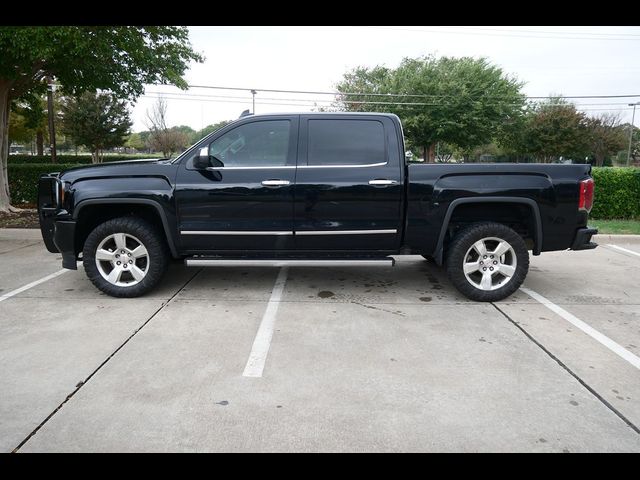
(20, 234)
(607, 238)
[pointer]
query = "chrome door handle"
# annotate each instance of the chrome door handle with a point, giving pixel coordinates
(382, 182)
(275, 183)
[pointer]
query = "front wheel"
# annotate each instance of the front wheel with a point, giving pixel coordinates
(487, 262)
(125, 257)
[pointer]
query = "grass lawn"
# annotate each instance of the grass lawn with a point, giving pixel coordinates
(616, 226)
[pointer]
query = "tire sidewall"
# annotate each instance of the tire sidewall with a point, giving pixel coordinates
(461, 245)
(147, 235)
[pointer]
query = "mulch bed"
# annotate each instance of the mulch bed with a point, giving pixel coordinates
(27, 219)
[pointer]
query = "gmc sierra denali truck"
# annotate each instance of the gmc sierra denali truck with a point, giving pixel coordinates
(312, 189)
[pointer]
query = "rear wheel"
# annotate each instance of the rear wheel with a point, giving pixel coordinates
(487, 262)
(125, 257)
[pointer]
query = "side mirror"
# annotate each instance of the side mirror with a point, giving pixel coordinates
(202, 160)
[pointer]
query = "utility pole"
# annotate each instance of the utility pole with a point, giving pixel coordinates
(633, 117)
(253, 93)
(52, 127)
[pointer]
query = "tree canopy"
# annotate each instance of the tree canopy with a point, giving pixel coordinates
(117, 58)
(464, 102)
(96, 120)
(120, 59)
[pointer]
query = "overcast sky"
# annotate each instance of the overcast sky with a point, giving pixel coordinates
(550, 59)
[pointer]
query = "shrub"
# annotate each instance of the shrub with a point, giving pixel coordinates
(83, 159)
(617, 193)
(23, 179)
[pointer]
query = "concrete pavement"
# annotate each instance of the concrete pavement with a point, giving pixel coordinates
(361, 359)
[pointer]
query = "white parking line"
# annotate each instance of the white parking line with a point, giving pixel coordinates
(592, 332)
(262, 342)
(624, 249)
(30, 285)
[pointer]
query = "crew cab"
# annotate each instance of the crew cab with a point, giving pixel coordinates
(312, 189)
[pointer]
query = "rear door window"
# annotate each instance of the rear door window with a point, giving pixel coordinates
(345, 142)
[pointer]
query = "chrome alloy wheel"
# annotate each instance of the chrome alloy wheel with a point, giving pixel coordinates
(122, 260)
(490, 263)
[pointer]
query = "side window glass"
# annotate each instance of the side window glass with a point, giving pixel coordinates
(256, 144)
(346, 142)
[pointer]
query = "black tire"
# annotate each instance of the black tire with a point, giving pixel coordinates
(462, 244)
(135, 229)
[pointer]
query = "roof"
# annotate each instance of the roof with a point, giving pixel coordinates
(270, 114)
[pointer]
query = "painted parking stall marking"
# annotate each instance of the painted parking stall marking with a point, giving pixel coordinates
(626, 250)
(31, 285)
(262, 342)
(592, 332)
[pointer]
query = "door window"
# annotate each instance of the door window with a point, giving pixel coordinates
(255, 144)
(346, 142)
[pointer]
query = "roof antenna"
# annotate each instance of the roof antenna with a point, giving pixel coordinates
(246, 113)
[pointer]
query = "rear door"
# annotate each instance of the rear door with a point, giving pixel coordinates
(348, 190)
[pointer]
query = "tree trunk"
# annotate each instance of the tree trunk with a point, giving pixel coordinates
(40, 142)
(5, 199)
(599, 160)
(432, 153)
(94, 156)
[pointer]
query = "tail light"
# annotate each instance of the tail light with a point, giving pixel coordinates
(586, 195)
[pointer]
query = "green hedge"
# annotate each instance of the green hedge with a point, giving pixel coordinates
(20, 159)
(23, 180)
(617, 193)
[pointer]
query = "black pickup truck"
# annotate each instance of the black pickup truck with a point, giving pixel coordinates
(312, 189)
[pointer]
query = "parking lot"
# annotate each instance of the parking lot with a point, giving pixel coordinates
(321, 359)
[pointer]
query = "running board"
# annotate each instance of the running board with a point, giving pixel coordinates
(289, 262)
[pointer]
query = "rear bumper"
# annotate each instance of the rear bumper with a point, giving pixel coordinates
(583, 239)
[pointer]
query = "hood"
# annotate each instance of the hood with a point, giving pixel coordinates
(119, 168)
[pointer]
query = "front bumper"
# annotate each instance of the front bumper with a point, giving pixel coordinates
(57, 228)
(583, 241)
(59, 237)
(64, 239)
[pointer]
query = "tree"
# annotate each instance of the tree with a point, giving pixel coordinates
(635, 144)
(97, 120)
(188, 131)
(210, 129)
(119, 59)
(460, 101)
(161, 137)
(551, 129)
(135, 141)
(606, 136)
(30, 114)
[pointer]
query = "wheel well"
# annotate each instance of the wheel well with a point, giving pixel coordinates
(517, 216)
(91, 216)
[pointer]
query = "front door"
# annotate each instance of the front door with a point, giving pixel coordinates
(244, 200)
(348, 193)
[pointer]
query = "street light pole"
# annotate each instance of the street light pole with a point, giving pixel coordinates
(633, 117)
(52, 127)
(253, 93)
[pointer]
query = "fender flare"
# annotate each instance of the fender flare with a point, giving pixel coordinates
(139, 201)
(537, 234)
